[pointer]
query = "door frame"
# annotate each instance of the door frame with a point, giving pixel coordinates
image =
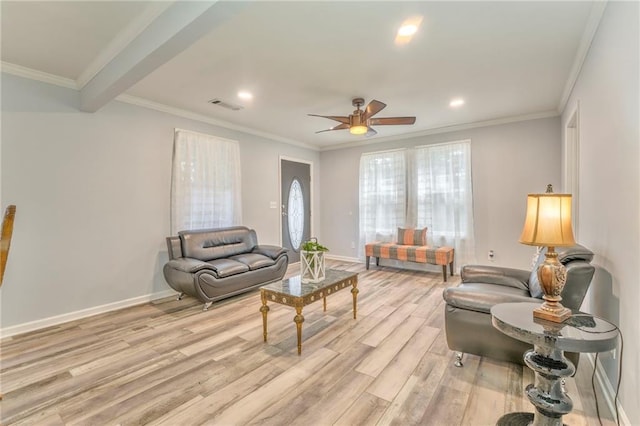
(571, 173)
(311, 191)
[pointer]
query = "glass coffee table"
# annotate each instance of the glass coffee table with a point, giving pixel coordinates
(293, 292)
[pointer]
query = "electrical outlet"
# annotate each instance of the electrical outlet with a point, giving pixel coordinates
(491, 256)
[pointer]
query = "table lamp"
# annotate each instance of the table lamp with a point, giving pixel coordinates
(548, 223)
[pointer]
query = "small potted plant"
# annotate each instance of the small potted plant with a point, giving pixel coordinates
(312, 261)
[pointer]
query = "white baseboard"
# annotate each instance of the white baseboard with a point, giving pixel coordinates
(343, 258)
(59, 319)
(608, 391)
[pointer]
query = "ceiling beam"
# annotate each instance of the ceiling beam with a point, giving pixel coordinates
(173, 31)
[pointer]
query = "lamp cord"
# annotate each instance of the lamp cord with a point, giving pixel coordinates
(595, 364)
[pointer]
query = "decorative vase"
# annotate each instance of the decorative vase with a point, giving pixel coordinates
(312, 265)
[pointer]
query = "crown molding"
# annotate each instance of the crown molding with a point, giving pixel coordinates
(44, 77)
(445, 129)
(145, 103)
(593, 22)
(68, 83)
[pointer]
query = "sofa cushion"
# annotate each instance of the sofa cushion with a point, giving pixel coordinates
(253, 260)
(209, 244)
(227, 267)
(577, 252)
(482, 297)
(412, 237)
(498, 275)
(270, 251)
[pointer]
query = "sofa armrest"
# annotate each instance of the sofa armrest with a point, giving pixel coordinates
(270, 251)
(174, 248)
(481, 297)
(509, 277)
(190, 265)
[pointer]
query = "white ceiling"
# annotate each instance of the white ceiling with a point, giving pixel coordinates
(506, 59)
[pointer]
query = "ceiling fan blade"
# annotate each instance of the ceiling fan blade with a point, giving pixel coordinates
(341, 119)
(373, 108)
(338, 127)
(370, 132)
(391, 120)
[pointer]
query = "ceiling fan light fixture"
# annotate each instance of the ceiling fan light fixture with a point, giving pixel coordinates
(358, 129)
(361, 122)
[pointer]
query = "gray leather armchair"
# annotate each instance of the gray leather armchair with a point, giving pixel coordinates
(468, 306)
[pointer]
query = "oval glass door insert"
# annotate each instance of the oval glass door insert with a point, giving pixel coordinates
(295, 214)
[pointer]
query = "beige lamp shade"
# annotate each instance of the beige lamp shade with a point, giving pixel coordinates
(548, 221)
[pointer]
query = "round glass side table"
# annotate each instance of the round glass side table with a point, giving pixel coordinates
(580, 333)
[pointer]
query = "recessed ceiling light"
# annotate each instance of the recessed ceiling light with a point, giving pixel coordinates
(408, 29)
(243, 94)
(456, 103)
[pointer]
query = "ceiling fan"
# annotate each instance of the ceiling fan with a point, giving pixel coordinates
(360, 122)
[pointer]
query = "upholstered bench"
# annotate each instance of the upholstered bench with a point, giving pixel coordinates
(407, 250)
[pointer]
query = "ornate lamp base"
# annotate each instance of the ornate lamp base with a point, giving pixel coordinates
(552, 276)
(551, 313)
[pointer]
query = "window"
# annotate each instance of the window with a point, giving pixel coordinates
(443, 196)
(205, 190)
(427, 186)
(382, 195)
(295, 214)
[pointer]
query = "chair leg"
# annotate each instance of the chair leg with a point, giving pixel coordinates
(180, 296)
(207, 306)
(458, 361)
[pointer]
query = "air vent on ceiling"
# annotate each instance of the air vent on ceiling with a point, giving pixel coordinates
(226, 105)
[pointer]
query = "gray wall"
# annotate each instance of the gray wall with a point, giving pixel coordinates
(607, 92)
(508, 162)
(92, 194)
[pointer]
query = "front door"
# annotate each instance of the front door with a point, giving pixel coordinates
(295, 190)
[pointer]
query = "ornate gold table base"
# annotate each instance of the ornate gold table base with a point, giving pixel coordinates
(292, 292)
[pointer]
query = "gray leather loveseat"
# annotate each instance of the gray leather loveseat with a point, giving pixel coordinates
(212, 264)
(468, 306)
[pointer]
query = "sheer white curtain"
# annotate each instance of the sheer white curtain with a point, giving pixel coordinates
(205, 184)
(383, 187)
(443, 197)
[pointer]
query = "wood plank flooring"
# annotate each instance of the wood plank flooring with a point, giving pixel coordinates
(169, 363)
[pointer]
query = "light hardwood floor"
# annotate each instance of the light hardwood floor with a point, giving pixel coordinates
(169, 363)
